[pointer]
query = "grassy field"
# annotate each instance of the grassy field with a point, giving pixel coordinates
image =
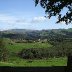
(19, 46)
(28, 63)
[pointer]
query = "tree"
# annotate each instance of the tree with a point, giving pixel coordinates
(54, 8)
(3, 51)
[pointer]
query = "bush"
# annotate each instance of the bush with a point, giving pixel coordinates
(34, 53)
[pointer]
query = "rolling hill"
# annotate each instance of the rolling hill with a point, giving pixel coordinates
(37, 34)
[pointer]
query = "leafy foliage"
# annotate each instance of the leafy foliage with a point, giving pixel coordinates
(54, 8)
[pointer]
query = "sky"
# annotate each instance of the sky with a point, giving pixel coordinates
(22, 14)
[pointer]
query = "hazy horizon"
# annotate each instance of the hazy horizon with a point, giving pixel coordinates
(34, 29)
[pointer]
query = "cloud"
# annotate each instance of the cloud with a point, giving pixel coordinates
(38, 19)
(11, 19)
(7, 19)
(63, 22)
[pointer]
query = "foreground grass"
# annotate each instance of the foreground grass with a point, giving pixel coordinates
(28, 63)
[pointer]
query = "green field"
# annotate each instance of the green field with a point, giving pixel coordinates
(22, 62)
(19, 46)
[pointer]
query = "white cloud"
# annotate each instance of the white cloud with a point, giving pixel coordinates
(7, 19)
(11, 19)
(38, 19)
(63, 22)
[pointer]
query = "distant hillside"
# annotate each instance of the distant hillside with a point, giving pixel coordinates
(37, 34)
(17, 31)
(28, 30)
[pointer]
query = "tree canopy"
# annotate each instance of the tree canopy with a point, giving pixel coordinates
(54, 8)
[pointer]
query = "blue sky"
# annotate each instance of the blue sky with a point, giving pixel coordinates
(22, 14)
